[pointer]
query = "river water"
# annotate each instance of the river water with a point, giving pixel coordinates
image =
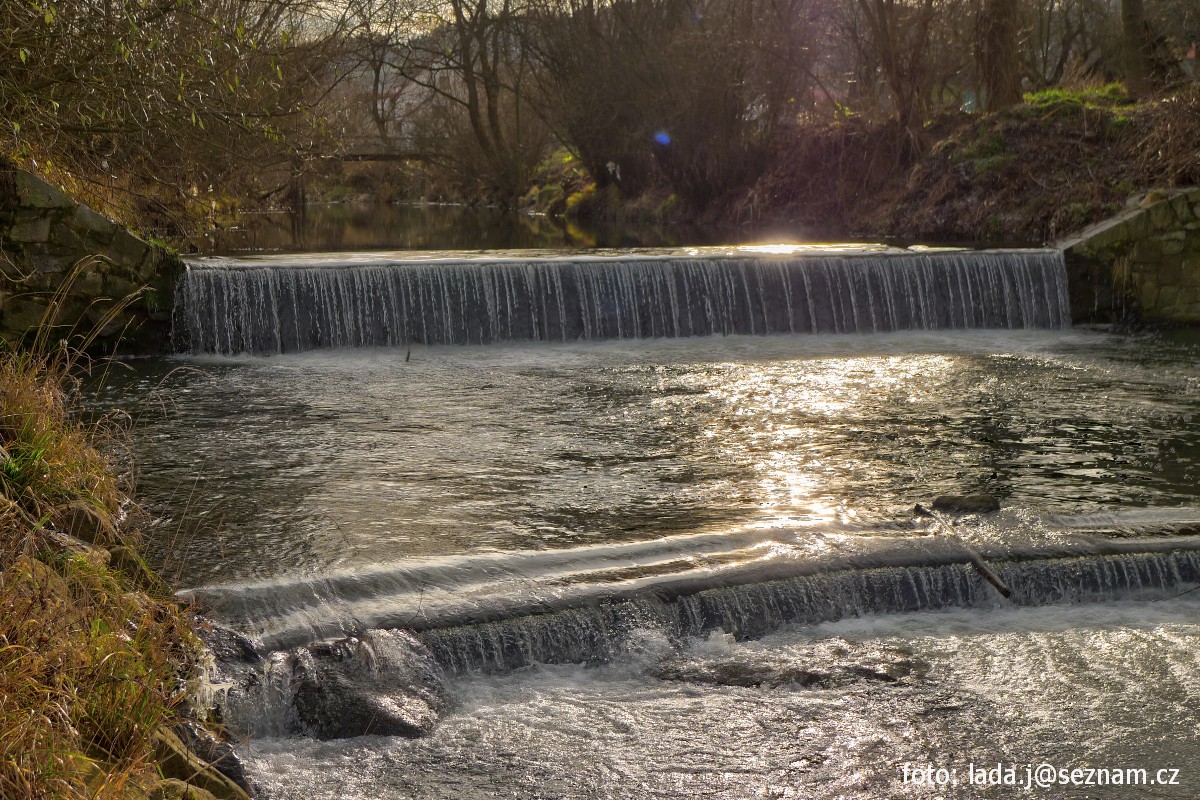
(1113, 686)
(461, 491)
(358, 226)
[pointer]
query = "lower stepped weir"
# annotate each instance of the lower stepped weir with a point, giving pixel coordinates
(352, 654)
(603, 632)
(274, 305)
(594, 623)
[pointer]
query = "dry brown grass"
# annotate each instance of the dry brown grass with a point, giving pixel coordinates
(49, 468)
(1170, 148)
(90, 666)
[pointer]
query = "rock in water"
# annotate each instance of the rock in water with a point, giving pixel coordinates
(386, 683)
(966, 504)
(227, 646)
(826, 665)
(218, 753)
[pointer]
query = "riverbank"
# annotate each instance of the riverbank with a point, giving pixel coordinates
(98, 664)
(1029, 175)
(1032, 174)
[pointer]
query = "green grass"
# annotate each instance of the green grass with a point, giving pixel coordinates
(993, 164)
(1110, 95)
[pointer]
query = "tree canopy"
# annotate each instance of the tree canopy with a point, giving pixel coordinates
(163, 99)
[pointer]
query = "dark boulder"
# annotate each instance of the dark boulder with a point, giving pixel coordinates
(386, 683)
(966, 504)
(217, 752)
(828, 665)
(228, 647)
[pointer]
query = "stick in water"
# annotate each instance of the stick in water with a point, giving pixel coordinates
(987, 574)
(975, 558)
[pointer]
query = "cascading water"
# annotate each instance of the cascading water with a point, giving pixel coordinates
(393, 683)
(593, 622)
(284, 306)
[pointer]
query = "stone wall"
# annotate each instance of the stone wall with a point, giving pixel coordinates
(1142, 265)
(50, 243)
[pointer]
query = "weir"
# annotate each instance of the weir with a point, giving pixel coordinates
(492, 625)
(335, 687)
(603, 632)
(708, 513)
(281, 305)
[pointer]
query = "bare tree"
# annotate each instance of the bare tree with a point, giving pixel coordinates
(897, 34)
(380, 62)
(161, 97)
(471, 62)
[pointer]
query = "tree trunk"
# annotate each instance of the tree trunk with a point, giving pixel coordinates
(1134, 49)
(999, 64)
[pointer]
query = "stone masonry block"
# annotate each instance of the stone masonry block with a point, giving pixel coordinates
(1161, 217)
(1171, 244)
(1147, 295)
(1169, 273)
(47, 261)
(89, 283)
(126, 250)
(30, 228)
(22, 313)
(117, 287)
(1104, 237)
(93, 225)
(1182, 208)
(1147, 251)
(64, 237)
(33, 192)
(1138, 225)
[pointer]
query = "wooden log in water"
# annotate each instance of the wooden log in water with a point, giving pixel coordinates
(988, 575)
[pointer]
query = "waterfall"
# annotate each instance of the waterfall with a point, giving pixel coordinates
(279, 307)
(601, 632)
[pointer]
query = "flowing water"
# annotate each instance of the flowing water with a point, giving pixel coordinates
(287, 304)
(1113, 686)
(641, 563)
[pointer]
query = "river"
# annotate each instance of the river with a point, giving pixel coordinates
(679, 567)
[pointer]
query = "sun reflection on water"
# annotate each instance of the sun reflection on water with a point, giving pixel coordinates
(789, 422)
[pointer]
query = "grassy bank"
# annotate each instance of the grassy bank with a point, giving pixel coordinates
(95, 657)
